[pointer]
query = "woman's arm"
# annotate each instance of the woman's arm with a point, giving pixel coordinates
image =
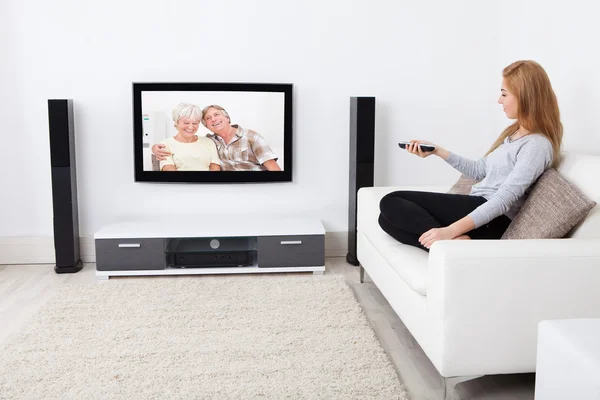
(472, 169)
(169, 167)
(214, 167)
(475, 169)
(441, 152)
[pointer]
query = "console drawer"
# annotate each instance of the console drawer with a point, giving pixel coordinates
(130, 254)
(291, 251)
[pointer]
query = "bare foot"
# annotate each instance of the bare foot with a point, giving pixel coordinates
(463, 237)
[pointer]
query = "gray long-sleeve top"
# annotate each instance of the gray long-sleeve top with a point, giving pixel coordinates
(506, 175)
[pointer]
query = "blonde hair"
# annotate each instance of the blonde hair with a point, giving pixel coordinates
(205, 109)
(537, 105)
(187, 110)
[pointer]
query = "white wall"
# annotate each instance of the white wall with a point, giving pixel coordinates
(433, 66)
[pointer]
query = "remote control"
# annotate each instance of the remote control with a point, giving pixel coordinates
(425, 147)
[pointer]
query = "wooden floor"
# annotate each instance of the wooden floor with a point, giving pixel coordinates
(24, 288)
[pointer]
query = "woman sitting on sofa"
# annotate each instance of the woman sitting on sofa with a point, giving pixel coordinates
(506, 173)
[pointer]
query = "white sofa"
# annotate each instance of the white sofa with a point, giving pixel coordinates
(474, 305)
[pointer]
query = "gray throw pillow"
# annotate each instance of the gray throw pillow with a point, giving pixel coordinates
(552, 209)
(463, 185)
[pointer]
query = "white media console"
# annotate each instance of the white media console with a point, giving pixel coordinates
(191, 245)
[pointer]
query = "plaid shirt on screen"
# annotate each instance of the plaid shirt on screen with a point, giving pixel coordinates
(246, 152)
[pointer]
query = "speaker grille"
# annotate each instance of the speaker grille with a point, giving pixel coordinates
(60, 119)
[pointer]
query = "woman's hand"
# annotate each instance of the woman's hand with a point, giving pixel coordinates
(159, 152)
(435, 234)
(414, 148)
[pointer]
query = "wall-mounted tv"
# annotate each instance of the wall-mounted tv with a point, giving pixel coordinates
(212, 132)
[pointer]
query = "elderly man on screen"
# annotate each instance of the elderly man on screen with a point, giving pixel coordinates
(239, 149)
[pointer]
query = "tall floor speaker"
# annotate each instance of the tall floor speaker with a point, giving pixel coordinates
(64, 186)
(362, 160)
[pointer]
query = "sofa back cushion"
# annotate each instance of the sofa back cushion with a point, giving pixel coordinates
(552, 209)
(583, 170)
(463, 185)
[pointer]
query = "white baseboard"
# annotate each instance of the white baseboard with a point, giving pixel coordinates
(27, 250)
(87, 249)
(336, 244)
(40, 249)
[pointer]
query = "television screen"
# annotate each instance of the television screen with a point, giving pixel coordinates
(212, 132)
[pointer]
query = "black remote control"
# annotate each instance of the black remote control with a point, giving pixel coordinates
(425, 147)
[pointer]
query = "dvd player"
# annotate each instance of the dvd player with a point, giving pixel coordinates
(212, 259)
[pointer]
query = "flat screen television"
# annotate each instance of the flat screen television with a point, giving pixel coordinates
(212, 132)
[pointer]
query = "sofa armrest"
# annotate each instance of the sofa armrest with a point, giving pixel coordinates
(510, 249)
(369, 198)
(488, 296)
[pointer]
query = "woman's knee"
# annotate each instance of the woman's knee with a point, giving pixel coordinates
(390, 200)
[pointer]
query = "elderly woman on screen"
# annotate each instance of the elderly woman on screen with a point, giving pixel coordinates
(186, 150)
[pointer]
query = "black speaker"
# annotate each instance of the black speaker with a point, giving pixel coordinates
(362, 160)
(64, 186)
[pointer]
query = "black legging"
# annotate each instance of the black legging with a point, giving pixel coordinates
(406, 215)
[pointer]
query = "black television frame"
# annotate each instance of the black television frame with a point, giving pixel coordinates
(212, 176)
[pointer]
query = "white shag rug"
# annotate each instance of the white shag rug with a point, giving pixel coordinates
(210, 337)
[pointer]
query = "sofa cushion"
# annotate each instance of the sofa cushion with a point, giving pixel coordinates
(552, 209)
(409, 262)
(583, 171)
(463, 185)
(589, 227)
